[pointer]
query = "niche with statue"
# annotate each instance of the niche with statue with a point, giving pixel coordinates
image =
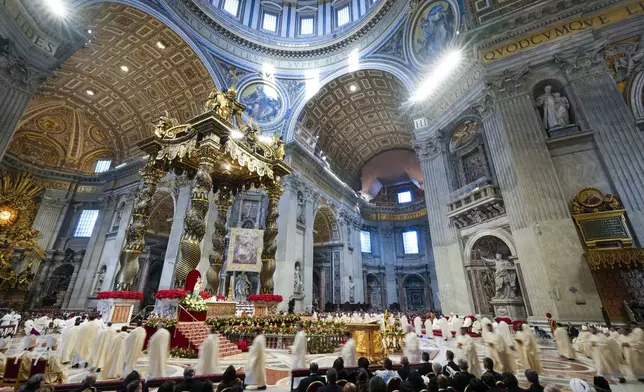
(554, 108)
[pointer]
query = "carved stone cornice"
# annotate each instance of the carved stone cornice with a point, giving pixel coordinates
(507, 84)
(583, 62)
(431, 147)
(15, 71)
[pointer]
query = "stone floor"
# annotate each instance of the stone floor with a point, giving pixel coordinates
(557, 371)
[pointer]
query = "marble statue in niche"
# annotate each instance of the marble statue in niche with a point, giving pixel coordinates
(555, 109)
(117, 217)
(298, 283)
(352, 290)
(242, 287)
(301, 206)
(505, 277)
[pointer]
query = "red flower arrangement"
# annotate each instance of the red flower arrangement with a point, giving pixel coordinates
(120, 294)
(170, 294)
(265, 298)
(548, 315)
(204, 294)
(243, 345)
(221, 298)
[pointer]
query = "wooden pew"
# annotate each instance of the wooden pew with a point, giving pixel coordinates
(112, 385)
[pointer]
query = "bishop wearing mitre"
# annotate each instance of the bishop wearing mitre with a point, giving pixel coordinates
(468, 351)
(299, 348)
(134, 347)
(158, 348)
(499, 350)
(115, 361)
(101, 347)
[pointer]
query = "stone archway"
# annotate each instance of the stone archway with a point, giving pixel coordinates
(494, 274)
(58, 284)
(327, 256)
(374, 292)
(414, 287)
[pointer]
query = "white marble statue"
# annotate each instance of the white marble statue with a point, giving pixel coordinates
(197, 289)
(242, 287)
(555, 109)
(352, 290)
(505, 277)
(298, 284)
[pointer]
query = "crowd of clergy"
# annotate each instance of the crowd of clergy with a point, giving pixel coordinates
(87, 342)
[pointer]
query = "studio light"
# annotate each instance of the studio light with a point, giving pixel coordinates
(443, 69)
(57, 7)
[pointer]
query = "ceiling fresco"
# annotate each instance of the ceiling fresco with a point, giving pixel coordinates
(102, 100)
(356, 117)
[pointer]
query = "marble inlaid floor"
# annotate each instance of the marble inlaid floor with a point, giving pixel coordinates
(557, 371)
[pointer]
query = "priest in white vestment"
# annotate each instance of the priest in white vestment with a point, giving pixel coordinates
(499, 351)
(256, 366)
(349, 351)
(101, 347)
(134, 347)
(582, 342)
(298, 350)
(633, 343)
(158, 349)
(404, 322)
(115, 362)
(418, 326)
(56, 371)
(68, 343)
(411, 349)
(528, 349)
(209, 354)
(28, 355)
(456, 325)
(504, 330)
(86, 340)
(429, 328)
(564, 347)
(444, 326)
(606, 363)
(468, 351)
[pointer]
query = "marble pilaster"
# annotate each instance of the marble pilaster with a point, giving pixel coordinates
(113, 247)
(548, 247)
(287, 237)
(452, 293)
(48, 216)
(312, 204)
(388, 257)
(83, 287)
(182, 202)
(618, 139)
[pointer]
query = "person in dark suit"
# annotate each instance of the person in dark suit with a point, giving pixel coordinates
(403, 372)
(490, 382)
(189, 384)
(488, 365)
(364, 364)
(331, 379)
(338, 365)
(313, 376)
(443, 384)
(511, 383)
(533, 378)
(450, 364)
(425, 365)
(462, 379)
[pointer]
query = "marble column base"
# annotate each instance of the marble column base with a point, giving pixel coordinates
(509, 307)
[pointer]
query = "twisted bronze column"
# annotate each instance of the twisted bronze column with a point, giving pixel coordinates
(195, 220)
(274, 192)
(216, 256)
(151, 174)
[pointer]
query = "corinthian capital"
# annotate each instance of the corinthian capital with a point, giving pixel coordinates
(429, 148)
(507, 84)
(582, 62)
(15, 71)
(625, 58)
